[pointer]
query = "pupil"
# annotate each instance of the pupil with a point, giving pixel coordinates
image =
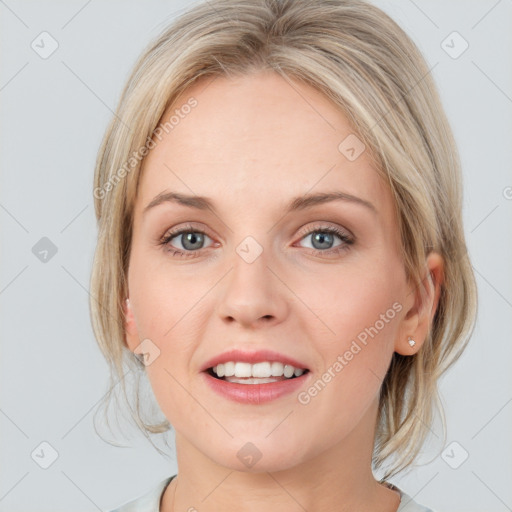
(192, 238)
(322, 237)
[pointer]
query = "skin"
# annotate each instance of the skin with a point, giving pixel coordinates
(248, 136)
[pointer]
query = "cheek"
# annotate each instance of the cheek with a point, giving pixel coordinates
(352, 300)
(364, 315)
(358, 314)
(168, 305)
(165, 293)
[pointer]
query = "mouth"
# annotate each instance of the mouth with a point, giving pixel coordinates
(265, 372)
(254, 377)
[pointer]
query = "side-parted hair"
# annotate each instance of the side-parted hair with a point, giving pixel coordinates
(359, 58)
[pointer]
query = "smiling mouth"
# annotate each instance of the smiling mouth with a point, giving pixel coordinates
(259, 373)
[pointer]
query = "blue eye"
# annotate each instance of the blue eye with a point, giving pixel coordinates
(192, 240)
(324, 236)
(189, 238)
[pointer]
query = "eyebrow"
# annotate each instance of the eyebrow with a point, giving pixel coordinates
(296, 204)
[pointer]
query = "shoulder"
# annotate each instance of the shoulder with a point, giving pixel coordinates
(148, 502)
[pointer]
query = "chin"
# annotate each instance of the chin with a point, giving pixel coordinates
(259, 455)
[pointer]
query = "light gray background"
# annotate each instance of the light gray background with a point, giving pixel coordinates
(53, 114)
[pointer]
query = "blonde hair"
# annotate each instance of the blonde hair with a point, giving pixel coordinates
(359, 58)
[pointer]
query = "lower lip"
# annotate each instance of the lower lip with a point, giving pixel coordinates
(254, 393)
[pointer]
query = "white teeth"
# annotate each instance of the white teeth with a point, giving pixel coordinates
(252, 380)
(262, 370)
(229, 369)
(277, 369)
(243, 370)
(288, 371)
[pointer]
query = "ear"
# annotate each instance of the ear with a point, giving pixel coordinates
(130, 327)
(424, 300)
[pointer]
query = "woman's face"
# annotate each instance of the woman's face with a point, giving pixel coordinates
(258, 272)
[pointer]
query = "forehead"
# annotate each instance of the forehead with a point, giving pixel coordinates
(263, 139)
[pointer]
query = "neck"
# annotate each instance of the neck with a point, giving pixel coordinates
(337, 479)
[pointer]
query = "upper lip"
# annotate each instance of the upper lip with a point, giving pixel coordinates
(256, 356)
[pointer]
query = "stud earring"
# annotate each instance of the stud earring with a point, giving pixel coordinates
(411, 342)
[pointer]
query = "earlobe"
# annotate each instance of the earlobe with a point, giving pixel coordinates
(407, 345)
(417, 322)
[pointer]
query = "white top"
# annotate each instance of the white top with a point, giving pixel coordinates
(150, 501)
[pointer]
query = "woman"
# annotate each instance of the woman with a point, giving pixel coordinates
(281, 251)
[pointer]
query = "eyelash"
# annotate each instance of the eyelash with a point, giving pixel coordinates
(346, 239)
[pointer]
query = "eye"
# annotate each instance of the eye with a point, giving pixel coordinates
(323, 238)
(190, 240)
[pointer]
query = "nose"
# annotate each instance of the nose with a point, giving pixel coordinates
(252, 293)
